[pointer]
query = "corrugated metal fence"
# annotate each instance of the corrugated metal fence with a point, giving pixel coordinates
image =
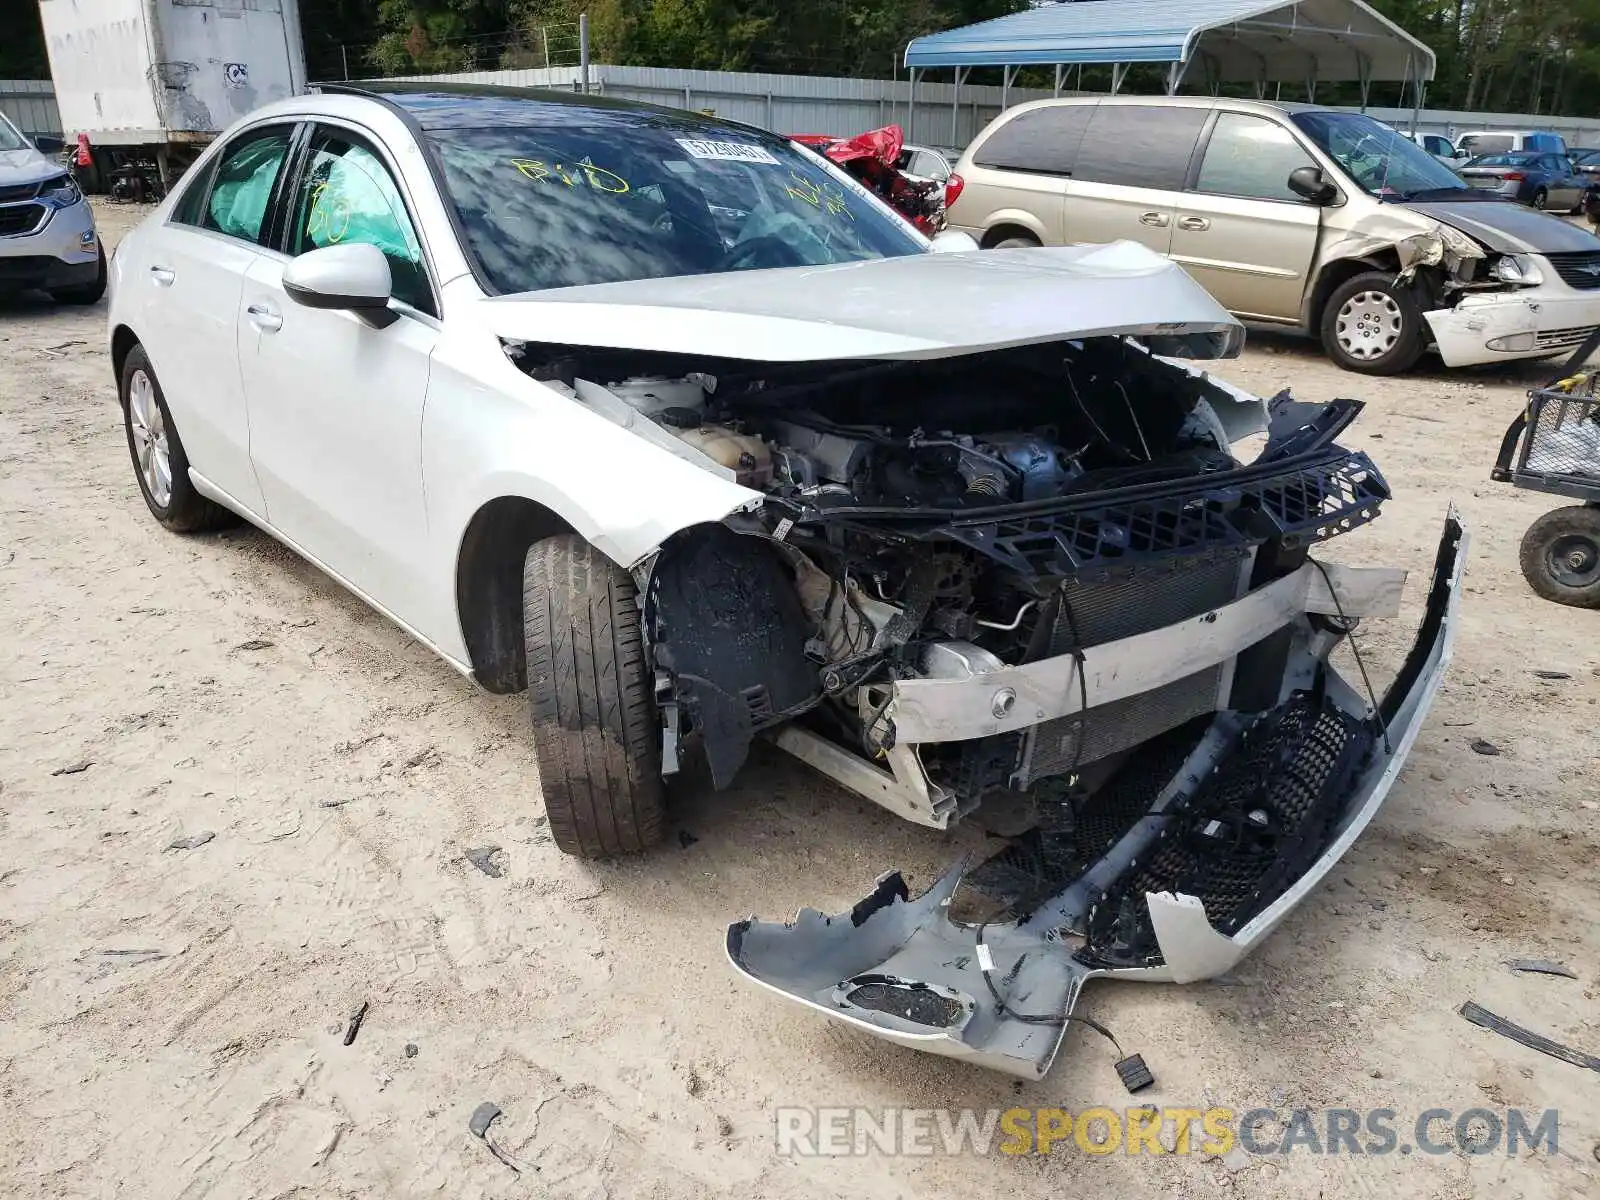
(31, 105)
(819, 104)
(822, 104)
(782, 103)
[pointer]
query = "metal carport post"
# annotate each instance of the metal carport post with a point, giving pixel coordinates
(911, 108)
(955, 105)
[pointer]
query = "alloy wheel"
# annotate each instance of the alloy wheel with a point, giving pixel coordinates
(151, 449)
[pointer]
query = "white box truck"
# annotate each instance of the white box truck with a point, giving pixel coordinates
(150, 82)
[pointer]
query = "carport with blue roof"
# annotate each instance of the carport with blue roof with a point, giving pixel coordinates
(1226, 41)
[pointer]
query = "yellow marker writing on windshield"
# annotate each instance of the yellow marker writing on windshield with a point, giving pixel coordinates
(827, 196)
(598, 178)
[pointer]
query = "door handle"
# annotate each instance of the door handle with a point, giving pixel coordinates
(1156, 220)
(1195, 223)
(163, 276)
(263, 318)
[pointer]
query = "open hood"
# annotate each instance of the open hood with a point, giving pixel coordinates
(921, 306)
(1508, 228)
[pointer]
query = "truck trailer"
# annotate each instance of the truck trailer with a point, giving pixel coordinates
(149, 83)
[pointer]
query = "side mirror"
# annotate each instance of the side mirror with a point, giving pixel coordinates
(45, 144)
(1310, 183)
(953, 241)
(354, 277)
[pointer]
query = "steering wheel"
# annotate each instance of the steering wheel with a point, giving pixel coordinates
(744, 255)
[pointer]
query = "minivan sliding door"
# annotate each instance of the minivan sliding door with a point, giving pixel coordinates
(1130, 172)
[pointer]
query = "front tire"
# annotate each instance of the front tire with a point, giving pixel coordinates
(159, 462)
(1560, 556)
(595, 730)
(1012, 243)
(1373, 325)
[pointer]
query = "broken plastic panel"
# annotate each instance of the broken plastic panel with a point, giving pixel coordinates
(1173, 870)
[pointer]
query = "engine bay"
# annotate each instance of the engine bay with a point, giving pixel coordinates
(943, 519)
(1030, 424)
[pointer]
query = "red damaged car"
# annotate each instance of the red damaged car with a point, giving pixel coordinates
(873, 158)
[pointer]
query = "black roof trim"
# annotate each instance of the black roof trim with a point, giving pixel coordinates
(394, 92)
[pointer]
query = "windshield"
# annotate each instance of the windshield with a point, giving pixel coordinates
(10, 139)
(1381, 160)
(599, 196)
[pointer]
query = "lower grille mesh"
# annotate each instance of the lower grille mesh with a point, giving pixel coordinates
(1250, 831)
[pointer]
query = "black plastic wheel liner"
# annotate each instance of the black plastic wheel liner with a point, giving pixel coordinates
(726, 623)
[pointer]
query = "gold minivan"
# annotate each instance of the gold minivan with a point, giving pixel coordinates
(1323, 219)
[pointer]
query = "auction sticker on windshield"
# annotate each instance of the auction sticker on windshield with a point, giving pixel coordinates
(726, 151)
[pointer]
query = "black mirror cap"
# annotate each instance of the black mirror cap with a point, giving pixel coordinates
(44, 143)
(1310, 183)
(373, 311)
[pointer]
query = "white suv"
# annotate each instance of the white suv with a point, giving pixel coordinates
(47, 234)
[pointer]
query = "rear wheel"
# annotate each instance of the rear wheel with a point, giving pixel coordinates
(595, 729)
(1561, 556)
(1373, 324)
(1541, 198)
(1012, 243)
(159, 462)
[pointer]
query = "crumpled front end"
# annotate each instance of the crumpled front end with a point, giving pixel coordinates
(1169, 860)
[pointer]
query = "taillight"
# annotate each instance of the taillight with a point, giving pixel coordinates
(952, 189)
(1513, 177)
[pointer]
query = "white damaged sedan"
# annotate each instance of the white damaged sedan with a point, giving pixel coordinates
(667, 422)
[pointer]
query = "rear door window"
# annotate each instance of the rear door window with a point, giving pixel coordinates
(1140, 145)
(242, 189)
(930, 165)
(191, 206)
(1044, 140)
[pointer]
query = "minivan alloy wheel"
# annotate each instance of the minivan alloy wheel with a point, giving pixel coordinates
(1369, 324)
(149, 430)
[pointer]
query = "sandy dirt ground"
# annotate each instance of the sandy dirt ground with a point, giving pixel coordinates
(171, 1020)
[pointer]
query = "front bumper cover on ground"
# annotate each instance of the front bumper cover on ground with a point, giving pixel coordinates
(906, 971)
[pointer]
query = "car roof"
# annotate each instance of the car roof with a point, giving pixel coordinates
(437, 106)
(1235, 104)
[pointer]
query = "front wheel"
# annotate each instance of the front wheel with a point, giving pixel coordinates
(1560, 556)
(1373, 324)
(595, 730)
